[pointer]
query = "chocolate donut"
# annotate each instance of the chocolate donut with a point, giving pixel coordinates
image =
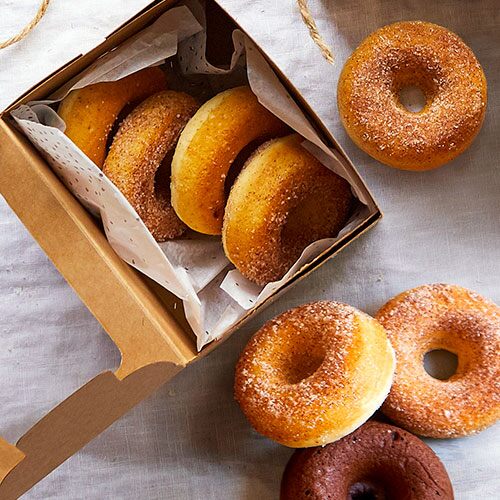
(376, 462)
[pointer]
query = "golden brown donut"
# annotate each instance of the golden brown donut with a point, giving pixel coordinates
(283, 200)
(458, 320)
(314, 374)
(417, 54)
(207, 147)
(90, 112)
(143, 140)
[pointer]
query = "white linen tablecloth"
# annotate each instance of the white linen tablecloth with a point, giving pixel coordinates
(190, 440)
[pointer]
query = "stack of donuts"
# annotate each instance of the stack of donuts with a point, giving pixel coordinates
(229, 167)
(312, 377)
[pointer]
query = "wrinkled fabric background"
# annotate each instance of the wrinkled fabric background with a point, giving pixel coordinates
(190, 440)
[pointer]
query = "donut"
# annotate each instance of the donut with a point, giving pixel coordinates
(90, 112)
(417, 54)
(208, 146)
(455, 319)
(375, 462)
(142, 142)
(314, 374)
(283, 200)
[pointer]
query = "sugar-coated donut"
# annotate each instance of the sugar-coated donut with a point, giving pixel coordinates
(314, 374)
(455, 319)
(377, 462)
(143, 140)
(207, 147)
(90, 112)
(283, 200)
(417, 54)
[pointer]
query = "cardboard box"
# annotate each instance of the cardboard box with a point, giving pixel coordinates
(144, 320)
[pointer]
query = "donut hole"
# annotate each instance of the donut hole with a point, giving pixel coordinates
(382, 482)
(414, 81)
(365, 490)
(300, 361)
(440, 364)
(412, 98)
(301, 365)
(162, 176)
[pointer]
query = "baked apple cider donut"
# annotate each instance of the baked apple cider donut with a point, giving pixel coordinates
(451, 318)
(375, 462)
(208, 146)
(283, 200)
(422, 55)
(142, 142)
(90, 112)
(314, 374)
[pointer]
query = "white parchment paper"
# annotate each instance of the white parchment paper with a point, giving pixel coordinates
(194, 268)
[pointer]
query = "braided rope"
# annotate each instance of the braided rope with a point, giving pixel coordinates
(313, 30)
(24, 32)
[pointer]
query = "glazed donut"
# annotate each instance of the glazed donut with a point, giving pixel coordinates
(90, 112)
(207, 147)
(143, 140)
(377, 461)
(314, 374)
(283, 200)
(432, 317)
(412, 54)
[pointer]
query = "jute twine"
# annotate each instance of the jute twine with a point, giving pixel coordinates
(303, 7)
(313, 30)
(28, 27)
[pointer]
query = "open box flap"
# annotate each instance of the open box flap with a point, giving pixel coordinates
(153, 345)
(73, 424)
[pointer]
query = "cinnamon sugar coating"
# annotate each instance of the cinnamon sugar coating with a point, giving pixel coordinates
(208, 146)
(283, 200)
(314, 374)
(458, 320)
(142, 142)
(418, 54)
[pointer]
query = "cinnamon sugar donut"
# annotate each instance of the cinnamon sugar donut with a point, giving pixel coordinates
(377, 462)
(141, 144)
(90, 112)
(314, 374)
(417, 54)
(208, 146)
(458, 320)
(283, 200)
